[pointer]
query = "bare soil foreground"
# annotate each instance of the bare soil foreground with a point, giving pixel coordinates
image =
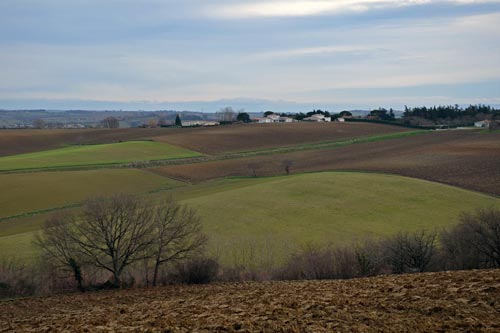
(431, 302)
(464, 158)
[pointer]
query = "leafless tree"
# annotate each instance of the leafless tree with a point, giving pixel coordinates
(287, 164)
(178, 234)
(226, 114)
(254, 166)
(38, 123)
(55, 241)
(478, 237)
(110, 122)
(112, 233)
(409, 253)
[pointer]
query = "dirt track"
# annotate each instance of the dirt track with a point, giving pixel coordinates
(433, 302)
(468, 159)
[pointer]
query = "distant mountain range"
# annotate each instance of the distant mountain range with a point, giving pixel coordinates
(248, 104)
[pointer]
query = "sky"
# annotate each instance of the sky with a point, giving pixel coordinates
(284, 55)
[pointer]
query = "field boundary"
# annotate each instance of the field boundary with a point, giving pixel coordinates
(225, 156)
(77, 204)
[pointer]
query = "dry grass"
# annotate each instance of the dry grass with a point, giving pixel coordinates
(433, 302)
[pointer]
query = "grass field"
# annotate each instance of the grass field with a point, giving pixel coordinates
(268, 216)
(95, 155)
(258, 220)
(30, 192)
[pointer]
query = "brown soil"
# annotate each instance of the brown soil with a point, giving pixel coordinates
(259, 136)
(26, 141)
(468, 159)
(206, 140)
(432, 302)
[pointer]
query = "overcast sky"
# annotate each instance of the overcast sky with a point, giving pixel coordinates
(334, 54)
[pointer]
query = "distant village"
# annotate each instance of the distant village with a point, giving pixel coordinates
(440, 117)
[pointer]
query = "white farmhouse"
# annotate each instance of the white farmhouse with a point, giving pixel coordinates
(482, 124)
(263, 120)
(319, 118)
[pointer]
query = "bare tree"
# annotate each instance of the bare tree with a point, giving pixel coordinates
(226, 114)
(115, 232)
(38, 123)
(178, 234)
(480, 234)
(254, 166)
(409, 253)
(287, 164)
(110, 122)
(55, 243)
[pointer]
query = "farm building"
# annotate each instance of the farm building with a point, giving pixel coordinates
(285, 120)
(482, 124)
(319, 118)
(262, 120)
(341, 120)
(272, 118)
(192, 123)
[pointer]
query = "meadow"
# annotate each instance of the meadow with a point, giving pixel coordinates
(99, 154)
(38, 191)
(258, 221)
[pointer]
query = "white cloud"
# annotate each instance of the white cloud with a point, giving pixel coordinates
(280, 8)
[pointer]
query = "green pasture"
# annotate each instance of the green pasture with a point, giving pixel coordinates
(24, 193)
(259, 220)
(102, 154)
(272, 215)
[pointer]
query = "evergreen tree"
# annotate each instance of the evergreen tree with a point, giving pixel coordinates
(178, 121)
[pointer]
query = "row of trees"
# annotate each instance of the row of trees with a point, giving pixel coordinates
(450, 111)
(116, 232)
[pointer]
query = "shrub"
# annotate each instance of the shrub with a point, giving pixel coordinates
(197, 271)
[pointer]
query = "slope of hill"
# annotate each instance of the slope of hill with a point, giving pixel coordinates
(252, 220)
(464, 158)
(432, 302)
(247, 137)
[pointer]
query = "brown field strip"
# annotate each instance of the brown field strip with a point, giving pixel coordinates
(468, 159)
(467, 301)
(249, 137)
(26, 141)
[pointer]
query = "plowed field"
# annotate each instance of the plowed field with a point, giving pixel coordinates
(26, 141)
(468, 159)
(206, 140)
(262, 136)
(433, 302)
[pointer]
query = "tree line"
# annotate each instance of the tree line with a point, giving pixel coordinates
(450, 111)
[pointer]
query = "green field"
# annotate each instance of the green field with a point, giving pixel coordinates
(30, 192)
(113, 153)
(254, 220)
(271, 215)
